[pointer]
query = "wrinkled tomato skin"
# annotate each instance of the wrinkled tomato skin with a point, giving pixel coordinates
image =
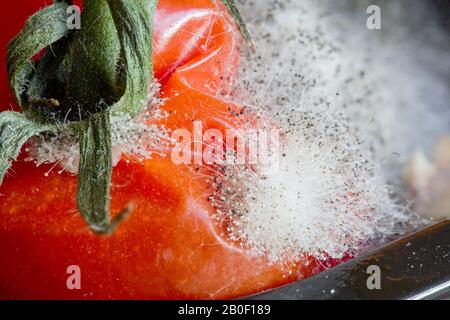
(169, 247)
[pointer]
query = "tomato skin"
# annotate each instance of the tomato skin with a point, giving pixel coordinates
(168, 248)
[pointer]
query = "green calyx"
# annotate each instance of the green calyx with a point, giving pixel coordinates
(107, 64)
(83, 78)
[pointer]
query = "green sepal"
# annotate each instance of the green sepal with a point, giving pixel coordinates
(134, 27)
(91, 85)
(41, 30)
(134, 24)
(15, 130)
(94, 174)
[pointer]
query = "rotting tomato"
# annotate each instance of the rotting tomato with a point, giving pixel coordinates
(168, 248)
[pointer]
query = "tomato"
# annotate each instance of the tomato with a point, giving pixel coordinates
(169, 247)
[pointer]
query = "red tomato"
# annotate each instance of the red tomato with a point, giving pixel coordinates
(169, 247)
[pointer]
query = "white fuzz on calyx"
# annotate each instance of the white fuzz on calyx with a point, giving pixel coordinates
(133, 138)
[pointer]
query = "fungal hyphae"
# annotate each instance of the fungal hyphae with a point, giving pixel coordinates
(351, 104)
